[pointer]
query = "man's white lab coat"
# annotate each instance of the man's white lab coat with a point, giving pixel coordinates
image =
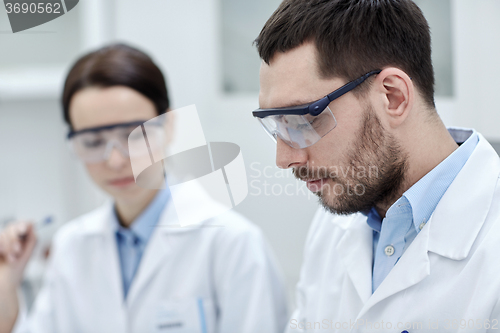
(447, 280)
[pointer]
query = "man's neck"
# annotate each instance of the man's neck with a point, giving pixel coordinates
(426, 150)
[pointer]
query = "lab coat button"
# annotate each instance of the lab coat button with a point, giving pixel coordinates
(389, 250)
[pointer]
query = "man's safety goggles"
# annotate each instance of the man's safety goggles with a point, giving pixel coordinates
(94, 145)
(304, 125)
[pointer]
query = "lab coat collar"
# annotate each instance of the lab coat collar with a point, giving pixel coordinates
(99, 221)
(357, 259)
(453, 231)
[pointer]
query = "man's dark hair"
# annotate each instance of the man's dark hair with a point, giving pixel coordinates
(117, 65)
(354, 37)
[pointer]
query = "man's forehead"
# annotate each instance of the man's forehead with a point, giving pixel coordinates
(286, 74)
(292, 78)
(298, 61)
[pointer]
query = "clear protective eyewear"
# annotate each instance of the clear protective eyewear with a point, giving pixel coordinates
(94, 145)
(304, 125)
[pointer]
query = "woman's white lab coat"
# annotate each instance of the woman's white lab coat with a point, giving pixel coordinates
(448, 279)
(219, 276)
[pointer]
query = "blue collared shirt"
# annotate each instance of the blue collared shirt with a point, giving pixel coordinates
(408, 215)
(132, 241)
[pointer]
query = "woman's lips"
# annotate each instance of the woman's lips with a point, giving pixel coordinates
(122, 182)
(316, 185)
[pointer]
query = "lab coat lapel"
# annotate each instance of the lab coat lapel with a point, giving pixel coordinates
(412, 267)
(111, 264)
(155, 254)
(358, 258)
(471, 196)
(101, 240)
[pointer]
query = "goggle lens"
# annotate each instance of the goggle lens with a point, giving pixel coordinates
(299, 131)
(95, 146)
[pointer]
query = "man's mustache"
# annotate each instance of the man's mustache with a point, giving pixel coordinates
(304, 173)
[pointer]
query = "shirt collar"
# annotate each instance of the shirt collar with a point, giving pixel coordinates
(142, 227)
(401, 209)
(374, 220)
(425, 194)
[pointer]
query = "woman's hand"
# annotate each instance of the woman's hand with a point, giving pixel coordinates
(17, 242)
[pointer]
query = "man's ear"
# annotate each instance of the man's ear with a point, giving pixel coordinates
(396, 93)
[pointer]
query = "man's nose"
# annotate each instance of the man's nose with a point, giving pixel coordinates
(288, 157)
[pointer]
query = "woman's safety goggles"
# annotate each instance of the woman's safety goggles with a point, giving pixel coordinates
(304, 125)
(94, 145)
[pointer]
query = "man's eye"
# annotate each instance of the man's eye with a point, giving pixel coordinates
(315, 123)
(311, 122)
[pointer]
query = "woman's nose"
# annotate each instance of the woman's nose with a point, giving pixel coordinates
(116, 159)
(288, 157)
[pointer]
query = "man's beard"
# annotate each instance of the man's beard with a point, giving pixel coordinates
(374, 176)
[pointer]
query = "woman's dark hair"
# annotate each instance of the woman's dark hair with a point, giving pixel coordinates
(117, 65)
(354, 37)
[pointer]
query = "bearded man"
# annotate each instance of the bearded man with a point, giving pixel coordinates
(410, 234)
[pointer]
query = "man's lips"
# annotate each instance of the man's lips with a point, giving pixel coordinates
(121, 182)
(314, 185)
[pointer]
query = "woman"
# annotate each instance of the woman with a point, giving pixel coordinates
(120, 268)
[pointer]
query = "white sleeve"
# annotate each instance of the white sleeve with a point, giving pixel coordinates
(249, 287)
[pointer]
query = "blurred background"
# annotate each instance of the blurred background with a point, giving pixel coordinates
(205, 49)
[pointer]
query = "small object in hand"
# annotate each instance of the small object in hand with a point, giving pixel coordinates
(46, 221)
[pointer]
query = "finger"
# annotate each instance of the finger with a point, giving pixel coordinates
(3, 248)
(29, 245)
(14, 245)
(22, 229)
(10, 240)
(13, 242)
(28, 240)
(7, 240)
